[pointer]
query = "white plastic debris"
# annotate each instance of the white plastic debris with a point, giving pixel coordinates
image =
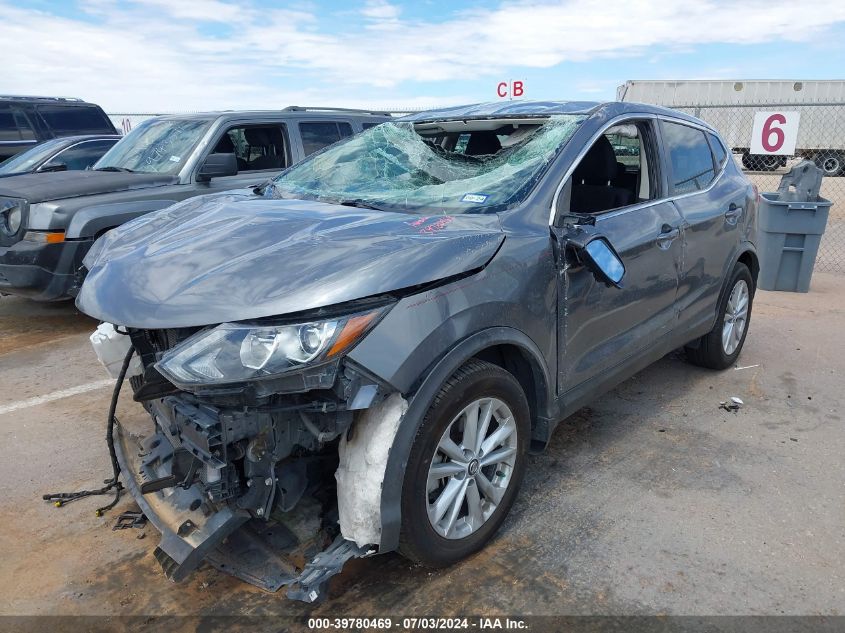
(360, 474)
(111, 347)
(734, 405)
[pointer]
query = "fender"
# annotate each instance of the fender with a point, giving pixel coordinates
(420, 402)
(90, 221)
(741, 249)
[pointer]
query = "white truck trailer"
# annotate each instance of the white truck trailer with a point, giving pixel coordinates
(730, 105)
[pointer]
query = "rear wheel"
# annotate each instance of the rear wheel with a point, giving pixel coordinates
(465, 466)
(719, 348)
(831, 163)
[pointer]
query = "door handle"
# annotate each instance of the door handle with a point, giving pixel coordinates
(733, 213)
(667, 235)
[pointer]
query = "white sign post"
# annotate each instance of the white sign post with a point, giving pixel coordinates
(775, 133)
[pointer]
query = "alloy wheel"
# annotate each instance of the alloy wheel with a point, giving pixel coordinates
(736, 317)
(472, 467)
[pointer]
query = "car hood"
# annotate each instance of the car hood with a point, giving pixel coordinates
(239, 256)
(41, 187)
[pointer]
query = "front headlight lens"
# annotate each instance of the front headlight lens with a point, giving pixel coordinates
(11, 215)
(234, 352)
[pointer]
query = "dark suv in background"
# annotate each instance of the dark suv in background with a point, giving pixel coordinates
(25, 121)
(49, 221)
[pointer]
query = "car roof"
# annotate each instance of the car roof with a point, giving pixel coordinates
(86, 137)
(528, 109)
(71, 101)
(298, 113)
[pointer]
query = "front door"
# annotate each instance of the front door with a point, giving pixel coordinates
(604, 326)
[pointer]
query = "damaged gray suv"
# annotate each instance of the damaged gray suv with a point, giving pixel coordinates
(357, 357)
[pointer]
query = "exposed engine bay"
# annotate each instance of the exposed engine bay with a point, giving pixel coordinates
(247, 481)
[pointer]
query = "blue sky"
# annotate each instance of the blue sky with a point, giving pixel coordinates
(171, 55)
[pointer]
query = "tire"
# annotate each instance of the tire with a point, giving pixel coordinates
(426, 539)
(761, 162)
(831, 163)
(713, 351)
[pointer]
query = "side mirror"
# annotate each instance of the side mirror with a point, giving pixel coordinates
(218, 165)
(598, 255)
(51, 166)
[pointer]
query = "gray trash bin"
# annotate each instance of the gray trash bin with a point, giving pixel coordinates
(790, 233)
(791, 223)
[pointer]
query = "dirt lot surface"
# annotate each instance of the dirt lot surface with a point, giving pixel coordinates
(651, 501)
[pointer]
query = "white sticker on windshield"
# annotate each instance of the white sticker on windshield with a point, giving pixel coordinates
(478, 198)
(175, 159)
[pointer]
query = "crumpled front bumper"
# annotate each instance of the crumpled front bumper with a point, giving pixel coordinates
(193, 531)
(190, 529)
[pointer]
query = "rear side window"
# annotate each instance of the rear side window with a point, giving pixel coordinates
(317, 135)
(719, 152)
(67, 120)
(14, 125)
(8, 127)
(690, 157)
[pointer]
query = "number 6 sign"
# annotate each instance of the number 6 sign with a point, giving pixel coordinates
(775, 133)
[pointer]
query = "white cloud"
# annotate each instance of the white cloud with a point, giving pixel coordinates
(163, 55)
(381, 10)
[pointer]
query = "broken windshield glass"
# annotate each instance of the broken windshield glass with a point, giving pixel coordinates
(459, 167)
(159, 146)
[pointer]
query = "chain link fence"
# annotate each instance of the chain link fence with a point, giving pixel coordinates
(821, 139)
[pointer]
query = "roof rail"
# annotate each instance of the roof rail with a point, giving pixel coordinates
(39, 98)
(349, 110)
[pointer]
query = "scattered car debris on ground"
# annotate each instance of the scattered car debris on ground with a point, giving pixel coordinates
(733, 405)
(130, 519)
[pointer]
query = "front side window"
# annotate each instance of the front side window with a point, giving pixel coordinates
(317, 135)
(157, 146)
(256, 147)
(82, 155)
(689, 156)
(617, 171)
(66, 119)
(404, 166)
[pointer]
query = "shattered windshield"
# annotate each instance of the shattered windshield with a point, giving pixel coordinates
(157, 146)
(453, 166)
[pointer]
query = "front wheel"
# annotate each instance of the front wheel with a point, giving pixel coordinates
(466, 465)
(719, 348)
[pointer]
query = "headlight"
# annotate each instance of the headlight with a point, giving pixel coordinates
(11, 214)
(236, 352)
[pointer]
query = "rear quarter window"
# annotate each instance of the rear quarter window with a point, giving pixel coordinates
(14, 125)
(689, 156)
(67, 120)
(720, 154)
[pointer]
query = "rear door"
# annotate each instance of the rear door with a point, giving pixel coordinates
(711, 204)
(602, 327)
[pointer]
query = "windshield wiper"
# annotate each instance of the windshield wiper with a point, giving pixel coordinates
(361, 204)
(112, 168)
